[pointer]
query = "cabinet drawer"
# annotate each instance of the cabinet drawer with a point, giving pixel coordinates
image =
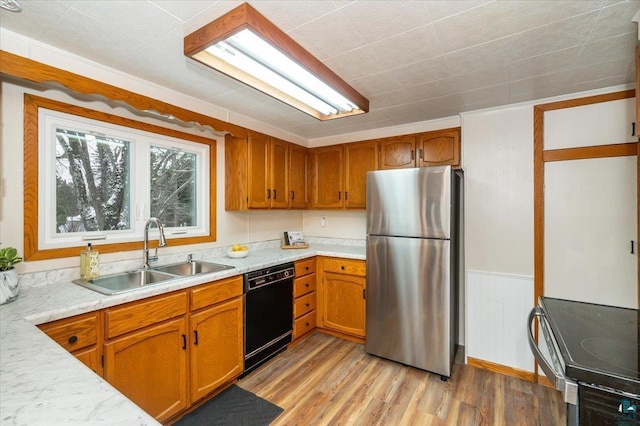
(73, 333)
(305, 267)
(304, 285)
(219, 291)
(137, 315)
(344, 266)
(304, 304)
(304, 324)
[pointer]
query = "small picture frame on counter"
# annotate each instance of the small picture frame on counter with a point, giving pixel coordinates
(294, 239)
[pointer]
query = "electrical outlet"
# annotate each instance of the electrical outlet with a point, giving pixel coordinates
(323, 222)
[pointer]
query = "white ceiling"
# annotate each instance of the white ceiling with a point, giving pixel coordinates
(413, 60)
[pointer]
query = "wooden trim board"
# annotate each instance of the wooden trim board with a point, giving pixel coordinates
(502, 369)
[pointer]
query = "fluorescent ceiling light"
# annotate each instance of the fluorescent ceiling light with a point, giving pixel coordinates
(246, 46)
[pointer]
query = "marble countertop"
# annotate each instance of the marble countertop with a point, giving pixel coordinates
(42, 383)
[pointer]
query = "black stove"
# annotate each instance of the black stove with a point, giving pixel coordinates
(599, 344)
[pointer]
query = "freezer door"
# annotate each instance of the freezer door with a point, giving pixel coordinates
(409, 309)
(409, 202)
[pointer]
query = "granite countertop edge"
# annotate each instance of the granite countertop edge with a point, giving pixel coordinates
(42, 383)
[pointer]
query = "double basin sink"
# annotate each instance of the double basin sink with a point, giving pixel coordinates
(140, 278)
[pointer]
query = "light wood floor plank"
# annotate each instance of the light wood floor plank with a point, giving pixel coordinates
(325, 380)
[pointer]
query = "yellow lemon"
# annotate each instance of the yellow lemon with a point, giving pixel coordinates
(243, 248)
(235, 247)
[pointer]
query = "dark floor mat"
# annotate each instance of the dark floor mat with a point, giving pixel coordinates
(234, 406)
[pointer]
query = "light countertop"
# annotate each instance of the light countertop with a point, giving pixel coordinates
(42, 383)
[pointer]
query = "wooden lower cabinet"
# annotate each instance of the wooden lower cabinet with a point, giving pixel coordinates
(341, 296)
(150, 367)
(216, 347)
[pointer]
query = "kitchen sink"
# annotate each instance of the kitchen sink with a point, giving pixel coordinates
(193, 267)
(126, 281)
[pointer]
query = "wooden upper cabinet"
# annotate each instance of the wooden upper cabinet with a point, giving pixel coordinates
(258, 177)
(359, 159)
(398, 152)
(327, 177)
(439, 148)
(298, 158)
(278, 191)
(256, 173)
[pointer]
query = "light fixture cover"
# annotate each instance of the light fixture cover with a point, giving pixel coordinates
(246, 46)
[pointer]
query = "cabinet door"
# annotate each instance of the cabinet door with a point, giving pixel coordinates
(150, 368)
(91, 358)
(439, 148)
(359, 158)
(327, 177)
(278, 190)
(397, 152)
(216, 347)
(343, 304)
(258, 169)
(297, 176)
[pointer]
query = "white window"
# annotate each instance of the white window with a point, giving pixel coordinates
(101, 181)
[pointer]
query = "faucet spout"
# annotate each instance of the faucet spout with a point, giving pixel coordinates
(162, 241)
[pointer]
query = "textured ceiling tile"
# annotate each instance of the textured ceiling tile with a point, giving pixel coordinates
(288, 15)
(615, 20)
(410, 47)
(35, 19)
(620, 67)
(184, 10)
(376, 83)
(536, 94)
(327, 36)
(124, 18)
(544, 64)
(597, 84)
(435, 89)
(444, 102)
(356, 63)
(483, 78)
(375, 20)
(213, 12)
(494, 54)
(389, 99)
(80, 34)
(557, 36)
(494, 95)
(609, 49)
(533, 14)
(485, 23)
(540, 83)
(439, 9)
(421, 72)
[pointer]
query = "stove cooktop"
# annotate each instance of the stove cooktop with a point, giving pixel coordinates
(599, 344)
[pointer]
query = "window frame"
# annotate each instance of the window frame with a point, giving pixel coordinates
(32, 249)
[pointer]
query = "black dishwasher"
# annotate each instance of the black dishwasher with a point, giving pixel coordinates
(268, 313)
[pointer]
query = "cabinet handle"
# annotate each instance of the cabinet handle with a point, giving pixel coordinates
(307, 305)
(74, 339)
(195, 335)
(420, 153)
(346, 195)
(274, 194)
(307, 324)
(307, 285)
(306, 268)
(413, 155)
(268, 194)
(339, 195)
(632, 252)
(293, 195)
(184, 341)
(364, 293)
(342, 267)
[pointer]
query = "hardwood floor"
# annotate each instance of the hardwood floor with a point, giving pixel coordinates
(326, 380)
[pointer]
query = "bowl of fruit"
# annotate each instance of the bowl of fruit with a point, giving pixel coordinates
(237, 251)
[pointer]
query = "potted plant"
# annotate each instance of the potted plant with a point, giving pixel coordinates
(9, 285)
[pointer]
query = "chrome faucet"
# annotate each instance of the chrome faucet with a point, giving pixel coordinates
(161, 241)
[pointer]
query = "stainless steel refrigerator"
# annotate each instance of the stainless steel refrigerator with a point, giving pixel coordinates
(414, 262)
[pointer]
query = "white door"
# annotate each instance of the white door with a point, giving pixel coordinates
(589, 223)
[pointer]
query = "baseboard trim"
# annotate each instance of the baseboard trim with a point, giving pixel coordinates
(542, 380)
(342, 335)
(501, 369)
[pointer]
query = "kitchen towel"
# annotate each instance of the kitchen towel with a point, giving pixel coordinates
(234, 406)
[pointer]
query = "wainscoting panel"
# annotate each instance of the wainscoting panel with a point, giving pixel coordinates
(496, 319)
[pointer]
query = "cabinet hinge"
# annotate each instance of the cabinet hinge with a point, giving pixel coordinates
(364, 293)
(102, 360)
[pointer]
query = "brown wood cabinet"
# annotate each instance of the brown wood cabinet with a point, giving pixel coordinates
(338, 175)
(298, 159)
(341, 296)
(262, 172)
(436, 148)
(81, 336)
(304, 298)
(216, 336)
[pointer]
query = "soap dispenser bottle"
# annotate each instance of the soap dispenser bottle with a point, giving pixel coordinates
(89, 263)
